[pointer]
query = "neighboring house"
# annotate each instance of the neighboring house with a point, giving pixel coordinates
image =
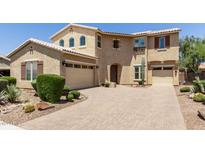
(88, 56)
(4, 66)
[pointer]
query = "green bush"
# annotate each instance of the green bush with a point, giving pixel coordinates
(50, 87)
(70, 97)
(75, 93)
(3, 84)
(33, 83)
(199, 97)
(11, 80)
(197, 85)
(28, 107)
(12, 93)
(185, 89)
(66, 90)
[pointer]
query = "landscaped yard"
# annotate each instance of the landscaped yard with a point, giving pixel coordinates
(189, 109)
(20, 105)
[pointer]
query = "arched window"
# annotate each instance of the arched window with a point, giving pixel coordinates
(61, 43)
(82, 41)
(71, 42)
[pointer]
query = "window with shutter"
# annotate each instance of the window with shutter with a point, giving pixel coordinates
(167, 41)
(156, 42)
(23, 71)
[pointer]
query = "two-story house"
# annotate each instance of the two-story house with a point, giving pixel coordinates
(88, 56)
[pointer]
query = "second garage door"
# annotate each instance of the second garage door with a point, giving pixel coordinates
(162, 77)
(78, 78)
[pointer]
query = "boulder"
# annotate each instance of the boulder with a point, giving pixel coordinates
(113, 85)
(43, 106)
(201, 113)
(191, 95)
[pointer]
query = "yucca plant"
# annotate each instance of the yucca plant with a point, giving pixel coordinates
(12, 93)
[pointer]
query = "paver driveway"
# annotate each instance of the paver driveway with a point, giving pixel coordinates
(154, 107)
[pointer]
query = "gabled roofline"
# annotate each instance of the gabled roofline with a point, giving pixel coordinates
(75, 25)
(5, 58)
(145, 33)
(51, 46)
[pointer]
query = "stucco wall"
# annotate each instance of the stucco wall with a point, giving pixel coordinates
(50, 58)
(76, 33)
(4, 63)
(124, 56)
(171, 53)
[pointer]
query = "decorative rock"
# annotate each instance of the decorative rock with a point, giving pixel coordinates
(201, 113)
(43, 106)
(191, 95)
(5, 111)
(112, 85)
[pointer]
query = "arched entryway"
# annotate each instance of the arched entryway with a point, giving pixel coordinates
(115, 72)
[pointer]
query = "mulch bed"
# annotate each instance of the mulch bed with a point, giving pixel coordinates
(189, 110)
(17, 115)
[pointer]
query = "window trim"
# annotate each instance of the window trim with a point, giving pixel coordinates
(140, 72)
(100, 41)
(31, 70)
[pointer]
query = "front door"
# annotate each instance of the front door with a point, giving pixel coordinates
(113, 73)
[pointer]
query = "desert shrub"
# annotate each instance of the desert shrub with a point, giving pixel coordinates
(75, 93)
(28, 107)
(2, 97)
(66, 90)
(3, 84)
(199, 85)
(185, 89)
(70, 97)
(11, 80)
(199, 97)
(33, 83)
(50, 87)
(12, 93)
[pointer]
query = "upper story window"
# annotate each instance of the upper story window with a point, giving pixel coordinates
(99, 40)
(162, 42)
(82, 41)
(116, 44)
(61, 43)
(139, 42)
(71, 42)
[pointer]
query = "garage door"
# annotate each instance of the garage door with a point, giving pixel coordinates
(77, 78)
(162, 77)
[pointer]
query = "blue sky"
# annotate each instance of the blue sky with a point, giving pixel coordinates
(12, 35)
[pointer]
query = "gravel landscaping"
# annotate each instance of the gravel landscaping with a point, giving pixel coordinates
(14, 113)
(189, 110)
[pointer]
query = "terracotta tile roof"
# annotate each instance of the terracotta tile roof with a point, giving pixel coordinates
(53, 46)
(158, 32)
(5, 58)
(145, 33)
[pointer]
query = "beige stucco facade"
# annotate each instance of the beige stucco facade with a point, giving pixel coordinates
(4, 63)
(103, 60)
